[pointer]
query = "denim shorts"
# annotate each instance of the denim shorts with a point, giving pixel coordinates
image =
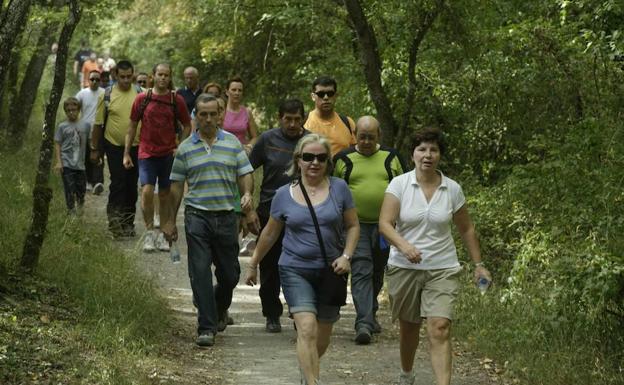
(156, 168)
(301, 287)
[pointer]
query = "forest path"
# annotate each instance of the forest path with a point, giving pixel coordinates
(245, 354)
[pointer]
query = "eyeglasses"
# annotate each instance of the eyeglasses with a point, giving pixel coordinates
(322, 94)
(309, 157)
(94, 79)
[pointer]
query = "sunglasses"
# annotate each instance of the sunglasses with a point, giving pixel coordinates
(309, 157)
(94, 79)
(322, 94)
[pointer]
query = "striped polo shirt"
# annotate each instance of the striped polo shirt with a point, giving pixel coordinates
(211, 172)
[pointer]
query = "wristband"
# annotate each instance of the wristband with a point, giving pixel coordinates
(477, 264)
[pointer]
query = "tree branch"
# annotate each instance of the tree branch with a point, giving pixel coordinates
(372, 67)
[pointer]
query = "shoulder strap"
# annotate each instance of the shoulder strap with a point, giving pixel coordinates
(107, 97)
(174, 104)
(345, 120)
(316, 225)
(144, 103)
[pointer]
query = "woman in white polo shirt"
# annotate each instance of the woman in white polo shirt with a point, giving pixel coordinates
(416, 216)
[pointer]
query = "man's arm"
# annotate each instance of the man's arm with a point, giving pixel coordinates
(245, 187)
(127, 159)
(176, 192)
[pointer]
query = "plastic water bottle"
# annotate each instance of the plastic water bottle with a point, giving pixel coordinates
(483, 284)
(174, 252)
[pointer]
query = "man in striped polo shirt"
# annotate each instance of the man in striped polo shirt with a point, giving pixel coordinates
(367, 168)
(214, 164)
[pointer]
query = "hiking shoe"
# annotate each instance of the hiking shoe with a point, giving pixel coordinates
(406, 379)
(363, 336)
(149, 242)
(98, 189)
(156, 221)
(161, 243)
(376, 327)
(224, 320)
(273, 325)
(205, 339)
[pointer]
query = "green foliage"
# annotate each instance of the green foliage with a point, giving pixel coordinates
(552, 232)
(121, 315)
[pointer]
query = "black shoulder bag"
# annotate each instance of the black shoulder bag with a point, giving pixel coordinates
(333, 290)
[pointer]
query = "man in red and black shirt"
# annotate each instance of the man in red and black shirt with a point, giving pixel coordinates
(159, 110)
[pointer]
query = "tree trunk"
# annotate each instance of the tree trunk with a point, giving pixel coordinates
(13, 20)
(420, 29)
(372, 64)
(42, 194)
(21, 108)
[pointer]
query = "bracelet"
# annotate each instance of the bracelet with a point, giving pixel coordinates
(477, 264)
(346, 256)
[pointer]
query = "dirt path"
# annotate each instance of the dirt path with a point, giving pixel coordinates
(244, 354)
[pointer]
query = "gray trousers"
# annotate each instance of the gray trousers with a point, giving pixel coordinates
(367, 275)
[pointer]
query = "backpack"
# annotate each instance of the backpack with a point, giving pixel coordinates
(172, 103)
(107, 98)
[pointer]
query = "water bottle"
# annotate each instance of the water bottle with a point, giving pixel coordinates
(174, 252)
(483, 284)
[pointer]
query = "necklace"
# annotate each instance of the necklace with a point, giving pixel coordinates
(312, 189)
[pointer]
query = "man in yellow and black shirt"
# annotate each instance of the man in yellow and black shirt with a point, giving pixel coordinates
(112, 119)
(367, 168)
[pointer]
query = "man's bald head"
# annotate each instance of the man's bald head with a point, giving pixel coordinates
(367, 122)
(367, 133)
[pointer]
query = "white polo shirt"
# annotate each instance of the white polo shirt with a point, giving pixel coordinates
(427, 226)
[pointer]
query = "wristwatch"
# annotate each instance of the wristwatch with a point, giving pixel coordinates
(346, 256)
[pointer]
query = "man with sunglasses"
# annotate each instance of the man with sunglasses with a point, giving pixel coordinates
(88, 98)
(368, 168)
(142, 79)
(274, 151)
(324, 120)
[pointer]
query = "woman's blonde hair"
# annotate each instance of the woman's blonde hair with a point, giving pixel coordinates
(294, 171)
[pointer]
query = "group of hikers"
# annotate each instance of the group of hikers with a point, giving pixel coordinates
(333, 201)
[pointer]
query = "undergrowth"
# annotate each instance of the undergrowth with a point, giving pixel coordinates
(100, 314)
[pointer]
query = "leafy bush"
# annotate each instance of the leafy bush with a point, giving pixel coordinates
(552, 231)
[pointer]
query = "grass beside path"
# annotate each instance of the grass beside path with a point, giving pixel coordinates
(87, 315)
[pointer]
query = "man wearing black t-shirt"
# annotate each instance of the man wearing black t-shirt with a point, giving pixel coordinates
(81, 56)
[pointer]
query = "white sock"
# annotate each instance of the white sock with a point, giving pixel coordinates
(406, 374)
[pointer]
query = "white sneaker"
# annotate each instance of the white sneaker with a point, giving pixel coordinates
(156, 221)
(149, 242)
(161, 242)
(98, 189)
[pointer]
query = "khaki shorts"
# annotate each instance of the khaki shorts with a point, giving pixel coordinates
(416, 294)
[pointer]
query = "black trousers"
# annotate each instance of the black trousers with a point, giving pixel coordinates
(74, 186)
(95, 172)
(269, 272)
(123, 190)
